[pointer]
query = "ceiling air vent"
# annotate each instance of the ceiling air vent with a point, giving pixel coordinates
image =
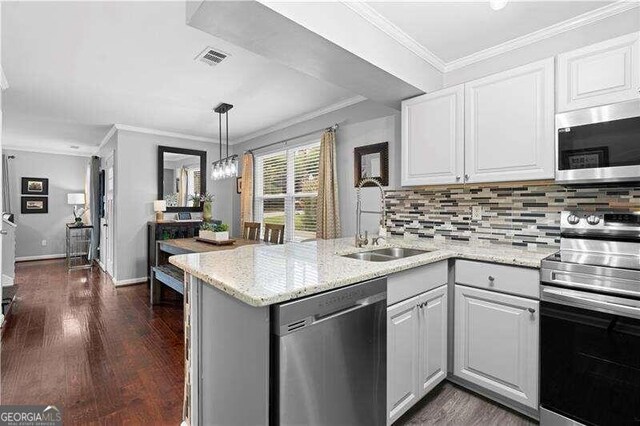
(211, 56)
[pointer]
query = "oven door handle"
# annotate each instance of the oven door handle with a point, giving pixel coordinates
(607, 304)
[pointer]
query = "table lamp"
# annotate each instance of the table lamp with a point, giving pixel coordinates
(77, 199)
(159, 206)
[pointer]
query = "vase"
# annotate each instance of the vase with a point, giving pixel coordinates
(206, 211)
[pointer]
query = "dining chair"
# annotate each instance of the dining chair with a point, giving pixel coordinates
(251, 231)
(273, 233)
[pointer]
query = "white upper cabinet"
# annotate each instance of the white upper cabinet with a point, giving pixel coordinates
(433, 138)
(599, 74)
(509, 125)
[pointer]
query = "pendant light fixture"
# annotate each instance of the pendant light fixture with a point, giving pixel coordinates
(226, 167)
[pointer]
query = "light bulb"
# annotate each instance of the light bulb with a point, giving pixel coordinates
(234, 168)
(227, 169)
(498, 4)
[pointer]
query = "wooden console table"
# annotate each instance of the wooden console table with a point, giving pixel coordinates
(163, 273)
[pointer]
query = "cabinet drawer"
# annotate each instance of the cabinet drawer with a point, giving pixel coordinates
(502, 278)
(406, 284)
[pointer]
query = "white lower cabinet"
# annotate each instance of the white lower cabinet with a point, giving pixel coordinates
(416, 349)
(496, 343)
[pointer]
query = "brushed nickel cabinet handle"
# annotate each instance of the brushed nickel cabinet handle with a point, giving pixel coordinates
(3, 232)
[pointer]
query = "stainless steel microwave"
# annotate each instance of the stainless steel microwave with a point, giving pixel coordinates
(599, 145)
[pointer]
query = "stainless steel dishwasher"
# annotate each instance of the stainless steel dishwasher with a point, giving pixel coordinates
(329, 358)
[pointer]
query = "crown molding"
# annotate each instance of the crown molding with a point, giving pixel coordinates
(4, 84)
(383, 24)
(587, 18)
(106, 138)
(302, 118)
(390, 29)
(155, 132)
(68, 151)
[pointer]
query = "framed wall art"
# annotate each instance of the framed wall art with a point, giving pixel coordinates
(33, 205)
(35, 186)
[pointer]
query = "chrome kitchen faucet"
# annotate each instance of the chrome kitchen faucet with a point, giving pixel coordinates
(360, 240)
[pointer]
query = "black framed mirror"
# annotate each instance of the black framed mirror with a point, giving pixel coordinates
(371, 161)
(182, 177)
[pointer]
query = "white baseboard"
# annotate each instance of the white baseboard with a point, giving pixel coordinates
(41, 257)
(7, 281)
(132, 281)
(101, 265)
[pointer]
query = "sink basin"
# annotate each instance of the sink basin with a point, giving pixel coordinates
(399, 252)
(386, 254)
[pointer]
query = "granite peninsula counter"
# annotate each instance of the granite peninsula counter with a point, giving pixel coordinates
(269, 274)
(228, 299)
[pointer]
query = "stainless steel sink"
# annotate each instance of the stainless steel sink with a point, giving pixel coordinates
(386, 254)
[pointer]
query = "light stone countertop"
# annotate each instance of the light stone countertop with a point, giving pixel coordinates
(263, 275)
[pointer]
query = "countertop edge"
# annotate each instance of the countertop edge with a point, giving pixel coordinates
(330, 285)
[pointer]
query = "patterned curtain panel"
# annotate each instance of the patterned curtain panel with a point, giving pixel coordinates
(6, 195)
(328, 221)
(94, 201)
(246, 197)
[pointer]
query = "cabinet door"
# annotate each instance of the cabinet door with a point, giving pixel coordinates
(599, 74)
(496, 343)
(433, 339)
(509, 125)
(402, 357)
(433, 138)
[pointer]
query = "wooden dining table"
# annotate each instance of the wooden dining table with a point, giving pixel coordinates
(165, 274)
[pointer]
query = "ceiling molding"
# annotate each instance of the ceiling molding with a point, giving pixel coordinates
(383, 24)
(4, 84)
(302, 118)
(148, 131)
(106, 138)
(68, 151)
(545, 33)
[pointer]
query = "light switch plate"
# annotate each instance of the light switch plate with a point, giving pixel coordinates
(476, 213)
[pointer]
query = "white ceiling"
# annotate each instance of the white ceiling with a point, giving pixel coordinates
(76, 68)
(452, 30)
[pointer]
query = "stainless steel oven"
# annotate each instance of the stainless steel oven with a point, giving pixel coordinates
(599, 145)
(590, 322)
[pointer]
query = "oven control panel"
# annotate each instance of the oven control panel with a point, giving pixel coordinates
(609, 223)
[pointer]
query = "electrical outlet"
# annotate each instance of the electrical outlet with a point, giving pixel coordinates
(44, 243)
(476, 213)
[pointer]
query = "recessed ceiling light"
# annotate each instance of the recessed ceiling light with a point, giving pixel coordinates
(498, 4)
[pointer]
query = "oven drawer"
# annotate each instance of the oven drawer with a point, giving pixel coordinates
(502, 278)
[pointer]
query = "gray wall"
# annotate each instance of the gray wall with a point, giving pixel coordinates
(361, 124)
(66, 174)
(136, 189)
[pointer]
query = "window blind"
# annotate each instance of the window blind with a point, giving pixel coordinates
(287, 190)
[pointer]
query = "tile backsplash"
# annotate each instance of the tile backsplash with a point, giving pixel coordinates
(516, 214)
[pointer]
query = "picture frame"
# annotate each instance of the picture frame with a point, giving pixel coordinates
(184, 216)
(371, 161)
(239, 185)
(34, 205)
(35, 186)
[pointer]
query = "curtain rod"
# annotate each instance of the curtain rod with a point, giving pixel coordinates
(324, 129)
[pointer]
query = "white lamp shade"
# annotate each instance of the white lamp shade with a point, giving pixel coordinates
(159, 206)
(75, 199)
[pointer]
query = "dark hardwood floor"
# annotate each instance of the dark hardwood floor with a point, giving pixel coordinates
(106, 357)
(102, 354)
(449, 404)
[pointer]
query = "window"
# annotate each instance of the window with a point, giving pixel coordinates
(287, 190)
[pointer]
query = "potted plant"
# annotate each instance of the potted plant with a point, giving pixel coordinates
(213, 232)
(207, 200)
(195, 200)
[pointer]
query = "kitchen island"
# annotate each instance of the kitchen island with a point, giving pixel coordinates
(227, 309)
